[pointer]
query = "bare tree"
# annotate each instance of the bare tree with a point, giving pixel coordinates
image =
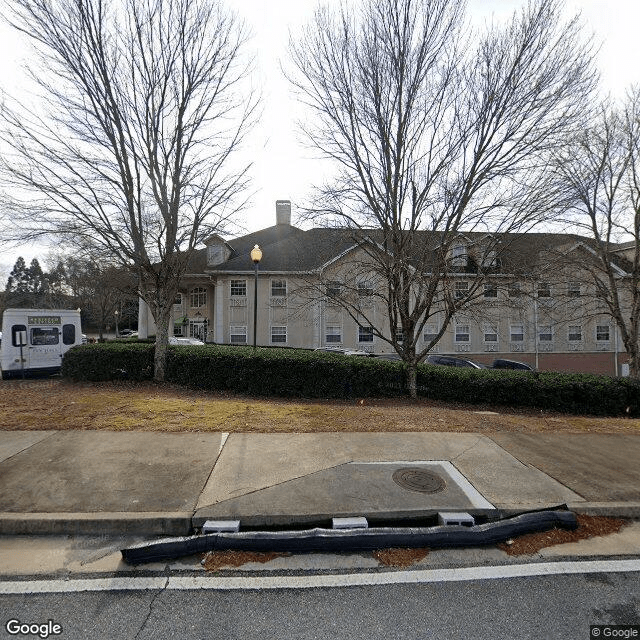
(131, 149)
(600, 170)
(99, 289)
(437, 132)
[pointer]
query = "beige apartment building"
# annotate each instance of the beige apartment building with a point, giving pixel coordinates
(532, 308)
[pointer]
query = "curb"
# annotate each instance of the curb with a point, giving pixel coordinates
(183, 523)
(102, 523)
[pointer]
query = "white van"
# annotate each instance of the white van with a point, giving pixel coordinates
(35, 340)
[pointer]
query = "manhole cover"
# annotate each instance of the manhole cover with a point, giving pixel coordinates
(415, 479)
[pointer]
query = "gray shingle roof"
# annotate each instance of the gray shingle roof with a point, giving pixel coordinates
(289, 249)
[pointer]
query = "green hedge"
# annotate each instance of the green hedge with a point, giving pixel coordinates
(308, 374)
(109, 361)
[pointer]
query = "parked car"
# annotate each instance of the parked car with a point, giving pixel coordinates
(345, 352)
(176, 340)
(394, 357)
(128, 333)
(501, 363)
(454, 361)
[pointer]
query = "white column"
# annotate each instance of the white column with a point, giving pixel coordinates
(219, 312)
(143, 319)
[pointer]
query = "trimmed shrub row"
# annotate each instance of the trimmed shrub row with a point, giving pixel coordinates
(307, 374)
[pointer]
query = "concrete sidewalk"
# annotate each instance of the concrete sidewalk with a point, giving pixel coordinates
(96, 482)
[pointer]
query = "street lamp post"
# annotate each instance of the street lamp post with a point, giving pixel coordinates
(115, 313)
(256, 256)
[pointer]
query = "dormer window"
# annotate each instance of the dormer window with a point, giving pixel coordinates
(334, 289)
(459, 255)
(490, 259)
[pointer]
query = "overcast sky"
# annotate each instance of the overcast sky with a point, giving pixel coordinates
(283, 168)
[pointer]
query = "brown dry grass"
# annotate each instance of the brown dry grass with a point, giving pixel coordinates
(57, 404)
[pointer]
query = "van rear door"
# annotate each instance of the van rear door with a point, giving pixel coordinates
(45, 341)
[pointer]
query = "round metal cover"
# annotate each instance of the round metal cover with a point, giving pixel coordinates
(416, 479)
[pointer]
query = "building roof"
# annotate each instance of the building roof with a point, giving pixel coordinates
(288, 249)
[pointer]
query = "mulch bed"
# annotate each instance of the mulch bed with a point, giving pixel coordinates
(588, 527)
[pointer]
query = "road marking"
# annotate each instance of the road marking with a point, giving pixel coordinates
(218, 583)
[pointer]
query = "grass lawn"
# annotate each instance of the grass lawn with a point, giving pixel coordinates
(58, 404)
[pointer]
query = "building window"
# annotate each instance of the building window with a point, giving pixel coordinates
(334, 289)
(198, 297)
(517, 333)
(573, 290)
(279, 335)
(178, 300)
(491, 290)
(365, 289)
(365, 334)
(459, 255)
(490, 259)
(544, 290)
(278, 288)
(462, 333)
(238, 287)
(545, 334)
(603, 333)
(333, 334)
(461, 290)
(399, 336)
(514, 290)
(491, 333)
(430, 333)
(238, 335)
(575, 333)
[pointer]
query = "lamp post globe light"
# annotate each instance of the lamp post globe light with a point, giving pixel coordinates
(115, 313)
(256, 256)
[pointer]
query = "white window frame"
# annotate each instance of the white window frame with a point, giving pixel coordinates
(491, 333)
(515, 290)
(238, 331)
(600, 332)
(490, 259)
(516, 336)
(460, 289)
(549, 333)
(368, 335)
(333, 331)
(365, 288)
(333, 289)
(573, 331)
(430, 332)
(574, 289)
(544, 290)
(277, 331)
(239, 285)
(399, 336)
(490, 290)
(277, 286)
(459, 255)
(199, 295)
(178, 300)
(459, 333)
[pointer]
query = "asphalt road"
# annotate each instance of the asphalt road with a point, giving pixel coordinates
(547, 606)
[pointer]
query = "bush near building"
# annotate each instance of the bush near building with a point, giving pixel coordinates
(307, 374)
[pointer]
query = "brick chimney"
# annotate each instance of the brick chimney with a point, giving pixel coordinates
(283, 212)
